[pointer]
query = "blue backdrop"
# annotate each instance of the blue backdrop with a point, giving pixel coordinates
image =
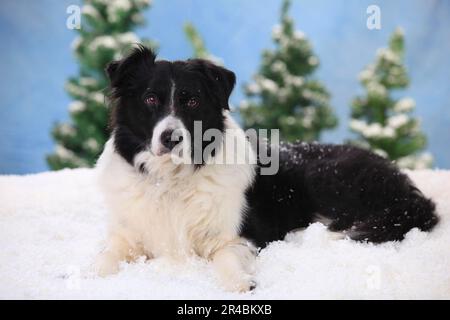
(36, 59)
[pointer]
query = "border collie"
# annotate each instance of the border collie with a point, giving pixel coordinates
(225, 212)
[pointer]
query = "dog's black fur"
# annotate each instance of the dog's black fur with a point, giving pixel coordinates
(354, 190)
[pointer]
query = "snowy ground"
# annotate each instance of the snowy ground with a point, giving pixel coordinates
(52, 225)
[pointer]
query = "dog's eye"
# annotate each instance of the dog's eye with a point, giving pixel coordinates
(151, 100)
(193, 102)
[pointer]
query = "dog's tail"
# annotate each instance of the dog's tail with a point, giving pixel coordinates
(411, 211)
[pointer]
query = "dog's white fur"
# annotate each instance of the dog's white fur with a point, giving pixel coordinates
(176, 211)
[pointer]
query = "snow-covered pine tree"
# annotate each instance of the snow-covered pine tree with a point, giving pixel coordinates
(105, 35)
(284, 95)
(382, 122)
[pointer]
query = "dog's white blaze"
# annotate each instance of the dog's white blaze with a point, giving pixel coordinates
(172, 96)
(176, 211)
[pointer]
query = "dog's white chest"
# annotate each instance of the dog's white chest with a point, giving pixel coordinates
(159, 223)
(176, 213)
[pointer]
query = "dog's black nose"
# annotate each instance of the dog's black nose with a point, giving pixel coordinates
(168, 141)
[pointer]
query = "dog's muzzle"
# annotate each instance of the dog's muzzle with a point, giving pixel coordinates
(167, 134)
(169, 139)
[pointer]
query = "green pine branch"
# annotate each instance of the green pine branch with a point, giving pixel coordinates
(198, 44)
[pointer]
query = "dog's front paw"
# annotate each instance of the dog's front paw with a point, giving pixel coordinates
(106, 264)
(241, 284)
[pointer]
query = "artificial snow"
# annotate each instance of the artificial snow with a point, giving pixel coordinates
(52, 225)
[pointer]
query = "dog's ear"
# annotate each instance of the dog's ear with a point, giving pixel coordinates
(220, 79)
(111, 69)
(121, 71)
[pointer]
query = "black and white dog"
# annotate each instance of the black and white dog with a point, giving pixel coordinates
(223, 212)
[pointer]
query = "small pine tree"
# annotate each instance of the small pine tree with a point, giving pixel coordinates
(104, 35)
(383, 123)
(284, 95)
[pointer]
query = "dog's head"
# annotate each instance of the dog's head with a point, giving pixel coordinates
(154, 102)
